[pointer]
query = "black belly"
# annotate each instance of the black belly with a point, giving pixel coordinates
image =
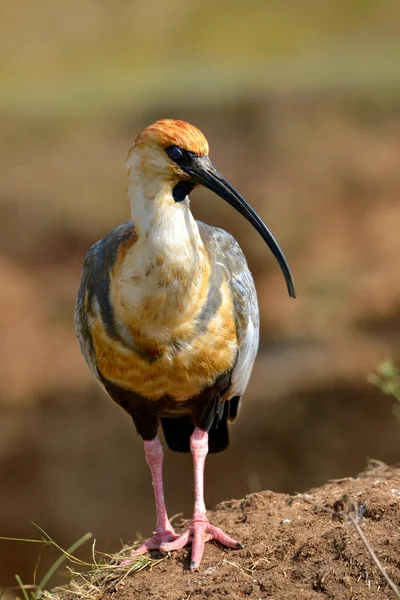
(206, 410)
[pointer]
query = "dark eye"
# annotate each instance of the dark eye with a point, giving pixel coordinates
(174, 152)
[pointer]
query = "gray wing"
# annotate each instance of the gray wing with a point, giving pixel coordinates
(93, 295)
(227, 252)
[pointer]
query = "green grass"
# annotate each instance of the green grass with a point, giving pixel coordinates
(37, 591)
(87, 580)
(387, 378)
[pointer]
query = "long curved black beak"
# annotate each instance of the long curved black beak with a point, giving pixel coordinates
(202, 171)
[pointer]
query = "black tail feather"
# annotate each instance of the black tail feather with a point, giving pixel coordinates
(233, 407)
(177, 432)
(218, 436)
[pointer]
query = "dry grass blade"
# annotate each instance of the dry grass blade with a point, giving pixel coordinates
(57, 564)
(67, 553)
(36, 592)
(26, 540)
(106, 574)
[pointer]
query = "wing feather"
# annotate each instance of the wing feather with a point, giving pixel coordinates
(227, 252)
(93, 295)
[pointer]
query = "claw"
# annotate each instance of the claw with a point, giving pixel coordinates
(198, 532)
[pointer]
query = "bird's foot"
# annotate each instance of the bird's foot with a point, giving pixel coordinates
(198, 532)
(159, 538)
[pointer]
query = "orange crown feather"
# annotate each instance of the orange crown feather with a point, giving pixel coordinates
(169, 132)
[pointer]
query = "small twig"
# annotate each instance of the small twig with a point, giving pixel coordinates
(354, 521)
(374, 557)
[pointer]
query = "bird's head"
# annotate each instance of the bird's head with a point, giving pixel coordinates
(160, 151)
(173, 156)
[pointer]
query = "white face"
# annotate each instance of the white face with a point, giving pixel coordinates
(152, 162)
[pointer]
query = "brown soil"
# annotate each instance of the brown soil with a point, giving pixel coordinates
(293, 550)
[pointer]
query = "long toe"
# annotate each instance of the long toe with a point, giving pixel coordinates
(220, 536)
(153, 543)
(204, 532)
(178, 543)
(200, 537)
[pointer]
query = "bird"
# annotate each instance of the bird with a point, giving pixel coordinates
(167, 316)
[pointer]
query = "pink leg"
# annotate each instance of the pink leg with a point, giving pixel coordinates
(199, 530)
(164, 530)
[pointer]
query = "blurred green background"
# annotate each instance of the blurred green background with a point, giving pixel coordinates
(300, 102)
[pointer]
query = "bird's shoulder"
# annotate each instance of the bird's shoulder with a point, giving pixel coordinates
(102, 255)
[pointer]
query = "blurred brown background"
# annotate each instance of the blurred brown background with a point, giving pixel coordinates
(300, 102)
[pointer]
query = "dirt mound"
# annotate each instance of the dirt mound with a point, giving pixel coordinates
(293, 550)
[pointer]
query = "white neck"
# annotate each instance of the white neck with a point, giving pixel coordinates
(162, 224)
(165, 271)
(156, 215)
